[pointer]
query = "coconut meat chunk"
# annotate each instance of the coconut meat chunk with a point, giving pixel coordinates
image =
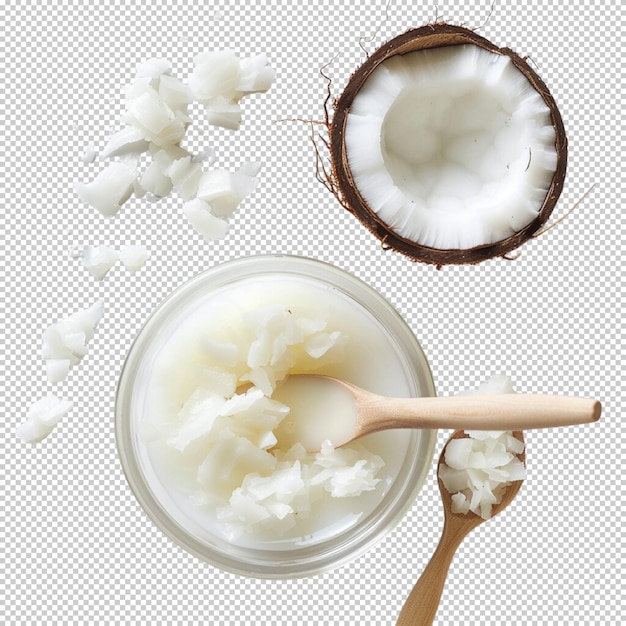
(42, 417)
(451, 147)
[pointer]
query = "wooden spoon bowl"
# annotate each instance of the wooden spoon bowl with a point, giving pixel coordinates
(421, 605)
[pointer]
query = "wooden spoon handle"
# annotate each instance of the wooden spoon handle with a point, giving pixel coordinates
(480, 412)
(421, 605)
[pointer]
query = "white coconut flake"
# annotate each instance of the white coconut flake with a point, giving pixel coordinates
(477, 469)
(156, 120)
(224, 191)
(154, 181)
(98, 260)
(90, 154)
(224, 113)
(215, 75)
(319, 344)
(64, 344)
(153, 68)
(57, 369)
(111, 188)
(219, 80)
(133, 257)
(41, 418)
(203, 221)
(256, 75)
(458, 453)
(128, 140)
(185, 175)
(261, 377)
(148, 113)
(216, 187)
(460, 504)
(223, 353)
(174, 93)
(208, 155)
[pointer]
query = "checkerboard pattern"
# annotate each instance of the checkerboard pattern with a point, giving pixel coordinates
(75, 547)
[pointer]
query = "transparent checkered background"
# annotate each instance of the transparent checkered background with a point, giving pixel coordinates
(75, 547)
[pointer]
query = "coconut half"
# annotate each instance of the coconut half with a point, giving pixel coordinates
(447, 148)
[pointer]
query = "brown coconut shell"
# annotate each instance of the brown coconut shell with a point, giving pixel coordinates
(435, 36)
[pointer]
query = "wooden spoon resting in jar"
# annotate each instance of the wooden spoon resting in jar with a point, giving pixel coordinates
(326, 408)
(421, 605)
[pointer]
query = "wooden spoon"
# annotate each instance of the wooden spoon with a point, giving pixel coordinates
(421, 605)
(323, 407)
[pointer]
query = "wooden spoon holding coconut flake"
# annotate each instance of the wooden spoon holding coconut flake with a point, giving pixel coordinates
(421, 605)
(326, 408)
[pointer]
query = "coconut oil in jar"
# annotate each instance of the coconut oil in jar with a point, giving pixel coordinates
(199, 422)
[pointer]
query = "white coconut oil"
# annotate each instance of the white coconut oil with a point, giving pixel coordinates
(320, 410)
(243, 339)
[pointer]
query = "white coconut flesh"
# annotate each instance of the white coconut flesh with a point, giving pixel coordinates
(451, 147)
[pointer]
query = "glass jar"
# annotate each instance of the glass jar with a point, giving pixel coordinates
(293, 557)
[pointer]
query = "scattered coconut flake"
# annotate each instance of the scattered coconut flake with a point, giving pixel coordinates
(90, 154)
(64, 344)
(98, 260)
(128, 140)
(477, 469)
(216, 188)
(219, 80)
(224, 191)
(203, 221)
(41, 418)
(256, 75)
(153, 68)
(499, 383)
(185, 175)
(207, 155)
(111, 188)
(175, 94)
(152, 116)
(76, 251)
(224, 113)
(156, 120)
(133, 257)
(154, 181)
(57, 369)
(216, 74)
